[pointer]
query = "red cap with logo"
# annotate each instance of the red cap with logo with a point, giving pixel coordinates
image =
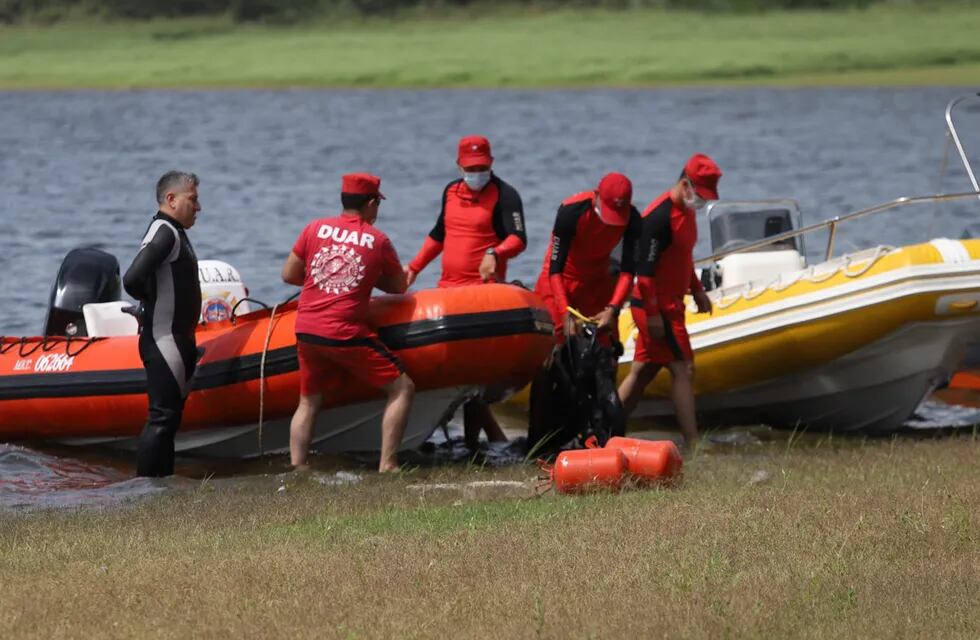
(361, 184)
(615, 197)
(704, 175)
(474, 151)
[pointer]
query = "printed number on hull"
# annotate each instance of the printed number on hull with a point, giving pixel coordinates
(53, 363)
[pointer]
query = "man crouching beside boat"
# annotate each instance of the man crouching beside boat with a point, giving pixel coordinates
(163, 277)
(575, 275)
(338, 261)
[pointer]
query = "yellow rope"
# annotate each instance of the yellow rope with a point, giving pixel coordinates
(580, 316)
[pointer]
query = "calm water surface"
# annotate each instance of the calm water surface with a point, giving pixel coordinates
(79, 168)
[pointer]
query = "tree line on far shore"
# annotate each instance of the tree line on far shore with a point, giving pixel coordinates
(288, 11)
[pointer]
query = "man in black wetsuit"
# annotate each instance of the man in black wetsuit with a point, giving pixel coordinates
(164, 278)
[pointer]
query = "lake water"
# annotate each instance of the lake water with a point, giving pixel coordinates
(79, 168)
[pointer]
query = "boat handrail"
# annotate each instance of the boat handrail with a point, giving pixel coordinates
(832, 223)
(956, 138)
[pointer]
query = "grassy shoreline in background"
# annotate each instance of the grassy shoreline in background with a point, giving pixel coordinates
(883, 45)
(845, 539)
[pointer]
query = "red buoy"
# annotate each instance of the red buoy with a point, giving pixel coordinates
(649, 460)
(584, 469)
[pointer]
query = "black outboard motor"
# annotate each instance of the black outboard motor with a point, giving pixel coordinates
(86, 275)
(582, 401)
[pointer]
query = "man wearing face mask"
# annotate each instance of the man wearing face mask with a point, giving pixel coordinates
(480, 227)
(665, 274)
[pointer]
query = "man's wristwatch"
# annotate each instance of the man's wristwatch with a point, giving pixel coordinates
(614, 308)
(491, 252)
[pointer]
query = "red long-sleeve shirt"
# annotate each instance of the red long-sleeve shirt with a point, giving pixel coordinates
(470, 223)
(665, 265)
(579, 253)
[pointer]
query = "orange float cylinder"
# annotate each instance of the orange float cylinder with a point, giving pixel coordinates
(583, 469)
(649, 460)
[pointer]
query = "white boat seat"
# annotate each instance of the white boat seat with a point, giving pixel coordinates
(761, 267)
(105, 319)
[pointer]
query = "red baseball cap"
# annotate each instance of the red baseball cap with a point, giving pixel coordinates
(616, 198)
(362, 184)
(474, 151)
(704, 175)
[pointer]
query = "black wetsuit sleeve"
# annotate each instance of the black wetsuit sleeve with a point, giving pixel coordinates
(566, 221)
(631, 242)
(655, 237)
(438, 232)
(153, 254)
(508, 214)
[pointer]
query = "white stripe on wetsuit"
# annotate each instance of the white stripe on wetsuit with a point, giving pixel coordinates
(152, 231)
(163, 309)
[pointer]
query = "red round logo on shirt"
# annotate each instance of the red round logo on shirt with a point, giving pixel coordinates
(337, 269)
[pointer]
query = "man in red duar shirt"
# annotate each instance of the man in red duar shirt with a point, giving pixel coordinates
(338, 261)
(665, 274)
(480, 227)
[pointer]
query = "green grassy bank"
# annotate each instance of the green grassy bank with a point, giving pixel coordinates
(891, 45)
(880, 540)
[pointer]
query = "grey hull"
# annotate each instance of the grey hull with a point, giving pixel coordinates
(874, 389)
(338, 430)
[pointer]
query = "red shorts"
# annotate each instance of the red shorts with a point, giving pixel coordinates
(325, 362)
(674, 346)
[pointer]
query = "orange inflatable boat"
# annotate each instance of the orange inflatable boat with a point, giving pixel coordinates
(963, 389)
(453, 342)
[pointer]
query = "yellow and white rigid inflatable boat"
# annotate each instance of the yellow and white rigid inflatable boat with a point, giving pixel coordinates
(851, 343)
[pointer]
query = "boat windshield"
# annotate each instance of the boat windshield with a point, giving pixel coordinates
(735, 224)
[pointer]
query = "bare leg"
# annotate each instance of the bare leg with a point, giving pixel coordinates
(682, 391)
(478, 417)
(301, 428)
(641, 374)
(400, 395)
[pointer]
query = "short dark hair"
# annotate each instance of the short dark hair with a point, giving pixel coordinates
(355, 201)
(171, 180)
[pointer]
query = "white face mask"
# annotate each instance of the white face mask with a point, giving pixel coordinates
(476, 180)
(695, 201)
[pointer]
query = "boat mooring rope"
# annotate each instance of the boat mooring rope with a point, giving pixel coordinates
(265, 350)
(879, 252)
(843, 266)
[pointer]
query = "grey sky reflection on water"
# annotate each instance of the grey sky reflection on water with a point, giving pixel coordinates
(78, 168)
